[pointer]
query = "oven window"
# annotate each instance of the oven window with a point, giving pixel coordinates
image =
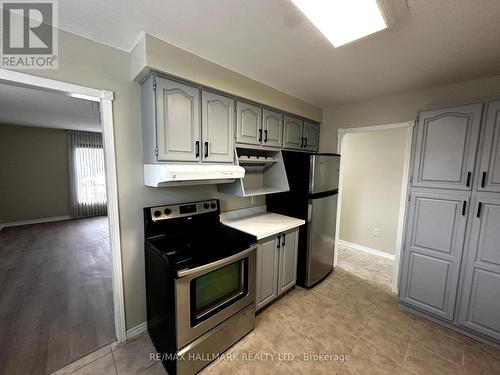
(212, 292)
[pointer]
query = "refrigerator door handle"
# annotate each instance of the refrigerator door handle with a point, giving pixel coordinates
(309, 211)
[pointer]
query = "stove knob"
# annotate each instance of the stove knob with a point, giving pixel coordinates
(157, 213)
(213, 205)
(206, 206)
(167, 211)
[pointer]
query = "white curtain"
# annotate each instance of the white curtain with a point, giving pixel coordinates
(87, 173)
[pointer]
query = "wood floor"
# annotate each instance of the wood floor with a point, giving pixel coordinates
(55, 294)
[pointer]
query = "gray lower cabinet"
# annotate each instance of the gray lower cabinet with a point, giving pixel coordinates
(272, 127)
(292, 133)
(267, 272)
(311, 136)
(480, 304)
(433, 250)
(445, 147)
(488, 178)
(177, 121)
(217, 128)
(276, 266)
(248, 124)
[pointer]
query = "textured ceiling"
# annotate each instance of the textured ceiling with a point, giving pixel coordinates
(40, 108)
(435, 42)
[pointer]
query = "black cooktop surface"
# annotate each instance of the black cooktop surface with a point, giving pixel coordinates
(190, 249)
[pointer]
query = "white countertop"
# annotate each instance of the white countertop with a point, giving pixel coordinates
(258, 222)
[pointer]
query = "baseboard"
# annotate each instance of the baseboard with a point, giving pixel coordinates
(35, 221)
(137, 330)
(366, 249)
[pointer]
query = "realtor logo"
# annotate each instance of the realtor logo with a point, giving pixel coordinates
(29, 34)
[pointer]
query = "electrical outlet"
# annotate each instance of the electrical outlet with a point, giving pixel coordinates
(376, 232)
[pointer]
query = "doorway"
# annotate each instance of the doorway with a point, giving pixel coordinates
(370, 218)
(84, 242)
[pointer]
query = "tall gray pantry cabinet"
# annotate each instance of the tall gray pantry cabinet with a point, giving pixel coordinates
(451, 257)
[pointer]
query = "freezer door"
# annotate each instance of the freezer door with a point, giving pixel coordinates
(324, 173)
(322, 215)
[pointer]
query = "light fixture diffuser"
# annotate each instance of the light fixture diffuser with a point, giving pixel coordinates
(343, 21)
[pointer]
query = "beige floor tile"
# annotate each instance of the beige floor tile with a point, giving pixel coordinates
(390, 341)
(219, 368)
(134, 356)
(368, 359)
(480, 358)
(105, 365)
(424, 362)
(156, 369)
(432, 337)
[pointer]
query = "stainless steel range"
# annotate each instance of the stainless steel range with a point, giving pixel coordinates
(200, 284)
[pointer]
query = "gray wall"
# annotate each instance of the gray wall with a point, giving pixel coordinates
(34, 173)
(88, 63)
(402, 107)
(372, 165)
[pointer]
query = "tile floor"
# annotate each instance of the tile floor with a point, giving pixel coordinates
(343, 316)
(371, 268)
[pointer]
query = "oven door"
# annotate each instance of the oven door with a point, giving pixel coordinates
(209, 294)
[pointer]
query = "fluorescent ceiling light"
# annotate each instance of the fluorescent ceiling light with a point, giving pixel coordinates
(342, 21)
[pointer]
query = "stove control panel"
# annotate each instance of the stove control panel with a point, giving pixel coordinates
(180, 210)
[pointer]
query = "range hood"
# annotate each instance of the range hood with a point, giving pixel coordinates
(164, 175)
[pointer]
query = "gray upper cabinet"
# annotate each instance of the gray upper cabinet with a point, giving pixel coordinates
(288, 260)
(267, 272)
(480, 307)
(272, 126)
(445, 147)
(489, 162)
(217, 128)
(177, 121)
(292, 133)
(433, 250)
(248, 123)
(311, 136)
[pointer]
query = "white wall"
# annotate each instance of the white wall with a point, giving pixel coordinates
(372, 165)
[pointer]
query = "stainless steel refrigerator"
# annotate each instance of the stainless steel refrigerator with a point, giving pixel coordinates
(313, 180)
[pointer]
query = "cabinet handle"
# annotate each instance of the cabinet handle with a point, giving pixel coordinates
(283, 243)
(265, 136)
(206, 149)
(305, 141)
(301, 142)
(279, 241)
(464, 207)
(483, 180)
(197, 147)
(479, 206)
(260, 135)
(467, 184)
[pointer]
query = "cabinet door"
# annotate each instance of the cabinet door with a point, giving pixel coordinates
(292, 133)
(177, 121)
(267, 272)
(311, 136)
(480, 303)
(217, 128)
(446, 146)
(489, 167)
(288, 260)
(272, 125)
(248, 124)
(433, 250)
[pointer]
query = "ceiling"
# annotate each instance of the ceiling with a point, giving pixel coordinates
(436, 42)
(39, 108)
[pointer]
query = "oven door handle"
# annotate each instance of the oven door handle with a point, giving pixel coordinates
(218, 263)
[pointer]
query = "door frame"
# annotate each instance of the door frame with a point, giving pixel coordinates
(341, 133)
(105, 98)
